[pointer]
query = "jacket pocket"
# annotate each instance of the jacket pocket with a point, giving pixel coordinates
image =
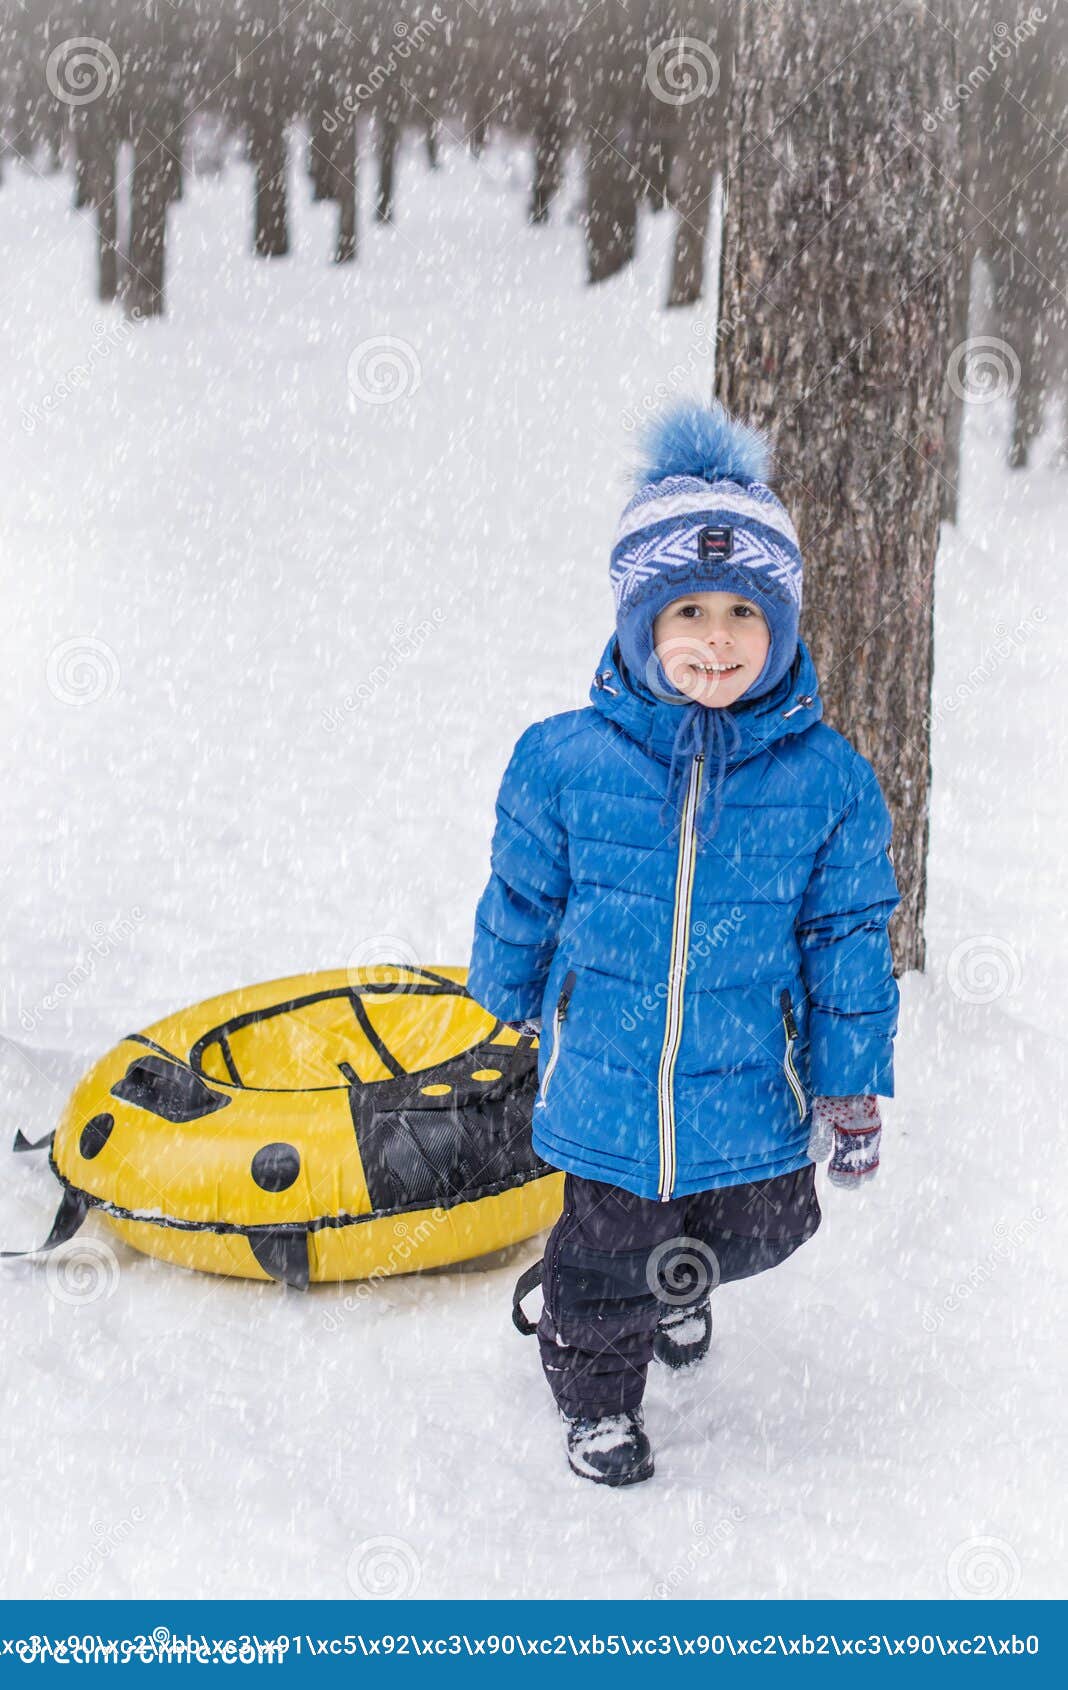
(557, 1024)
(789, 1026)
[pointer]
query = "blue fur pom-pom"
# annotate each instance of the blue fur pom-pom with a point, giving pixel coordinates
(702, 440)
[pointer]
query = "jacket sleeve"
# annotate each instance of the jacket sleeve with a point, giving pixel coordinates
(519, 913)
(845, 948)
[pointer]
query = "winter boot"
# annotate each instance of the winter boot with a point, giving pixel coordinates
(683, 1336)
(610, 1449)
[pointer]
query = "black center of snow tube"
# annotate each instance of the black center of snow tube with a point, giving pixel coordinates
(95, 1135)
(275, 1167)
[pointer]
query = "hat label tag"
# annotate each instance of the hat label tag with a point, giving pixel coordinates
(715, 542)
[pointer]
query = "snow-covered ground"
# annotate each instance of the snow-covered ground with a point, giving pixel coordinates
(209, 541)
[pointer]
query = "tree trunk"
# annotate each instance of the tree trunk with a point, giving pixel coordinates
(836, 293)
(267, 148)
(549, 136)
(343, 173)
(611, 216)
(94, 130)
(656, 143)
(693, 187)
(107, 228)
(151, 188)
(388, 124)
(325, 103)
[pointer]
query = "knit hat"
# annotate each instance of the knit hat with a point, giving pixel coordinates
(703, 519)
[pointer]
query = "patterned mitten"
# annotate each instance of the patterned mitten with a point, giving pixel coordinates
(857, 1131)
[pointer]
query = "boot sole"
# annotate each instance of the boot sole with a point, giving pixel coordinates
(616, 1480)
(680, 1366)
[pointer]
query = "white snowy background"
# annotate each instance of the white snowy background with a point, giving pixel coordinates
(213, 543)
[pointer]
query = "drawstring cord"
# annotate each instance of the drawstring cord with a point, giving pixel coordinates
(716, 734)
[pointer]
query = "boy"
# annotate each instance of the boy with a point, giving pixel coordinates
(690, 889)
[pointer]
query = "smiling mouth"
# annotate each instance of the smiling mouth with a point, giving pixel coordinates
(715, 668)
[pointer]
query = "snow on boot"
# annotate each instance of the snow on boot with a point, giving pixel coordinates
(683, 1336)
(610, 1449)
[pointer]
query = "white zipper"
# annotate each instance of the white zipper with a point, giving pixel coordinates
(680, 945)
(558, 1015)
(790, 1029)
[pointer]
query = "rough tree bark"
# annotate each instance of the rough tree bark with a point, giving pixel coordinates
(836, 287)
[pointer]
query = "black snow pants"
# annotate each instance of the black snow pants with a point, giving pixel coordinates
(615, 1263)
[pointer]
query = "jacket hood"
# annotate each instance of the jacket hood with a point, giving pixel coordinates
(672, 732)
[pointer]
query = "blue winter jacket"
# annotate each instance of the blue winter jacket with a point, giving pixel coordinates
(694, 993)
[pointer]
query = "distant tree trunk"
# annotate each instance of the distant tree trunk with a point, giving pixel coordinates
(693, 189)
(1021, 184)
(324, 103)
(705, 73)
(835, 302)
(656, 141)
(94, 129)
(432, 141)
(549, 136)
(174, 147)
(267, 148)
(343, 171)
(388, 122)
(479, 131)
(611, 217)
(319, 171)
(151, 189)
(107, 228)
(83, 199)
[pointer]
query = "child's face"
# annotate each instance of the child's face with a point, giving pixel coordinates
(711, 628)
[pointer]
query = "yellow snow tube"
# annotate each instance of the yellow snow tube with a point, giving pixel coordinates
(331, 1126)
